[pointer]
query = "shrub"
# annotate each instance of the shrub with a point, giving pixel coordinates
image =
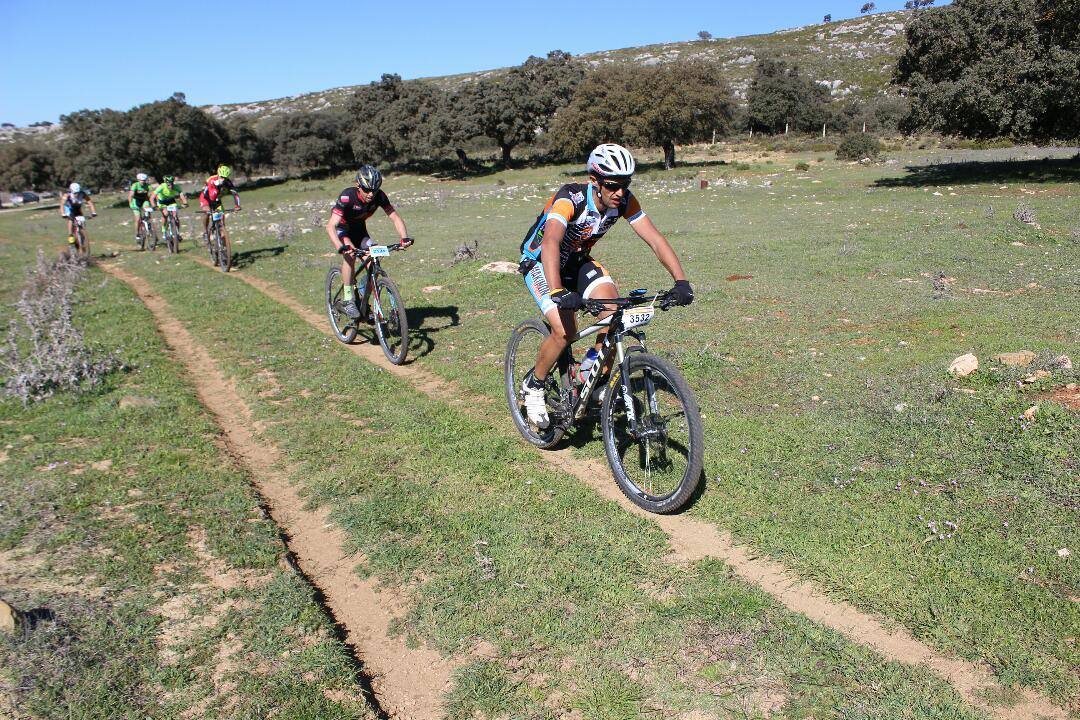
(44, 352)
(858, 146)
(802, 166)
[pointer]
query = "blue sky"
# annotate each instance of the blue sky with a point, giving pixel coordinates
(124, 54)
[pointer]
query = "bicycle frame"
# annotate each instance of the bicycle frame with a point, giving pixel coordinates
(370, 268)
(613, 343)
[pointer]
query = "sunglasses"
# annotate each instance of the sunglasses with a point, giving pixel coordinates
(615, 186)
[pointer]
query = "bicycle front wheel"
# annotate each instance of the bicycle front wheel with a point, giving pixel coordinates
(659, 465)
(224, 253)
(391, 323)
(172, 234)
(153, 235)
(82, 246)
(344, 327)
(521, 352)
(140, 235)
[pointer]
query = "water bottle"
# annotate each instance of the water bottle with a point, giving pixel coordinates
(588, 364)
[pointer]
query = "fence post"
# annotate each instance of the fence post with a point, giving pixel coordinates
(822, 129)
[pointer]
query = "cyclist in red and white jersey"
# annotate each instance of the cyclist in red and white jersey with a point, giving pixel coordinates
(559, 270)
(212, 193)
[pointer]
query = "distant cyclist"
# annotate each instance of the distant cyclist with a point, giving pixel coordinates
(210, 197)
(139, 195)
(347, 226)
(166, 194)
(559, 270)
(71, 204)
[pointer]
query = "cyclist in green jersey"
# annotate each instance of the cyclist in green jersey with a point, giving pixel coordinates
(166, 194)
(138, 195)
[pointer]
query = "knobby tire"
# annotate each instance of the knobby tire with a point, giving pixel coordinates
(517, 362)
(682, 457)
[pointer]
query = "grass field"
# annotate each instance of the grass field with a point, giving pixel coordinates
(836, 441)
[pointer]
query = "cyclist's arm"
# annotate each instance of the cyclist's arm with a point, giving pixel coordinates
(131, 194)
(399, 224)
(154, 199)
(664, 252)
(90, 202)
(63, 201)
(331, 230)
(549, 253)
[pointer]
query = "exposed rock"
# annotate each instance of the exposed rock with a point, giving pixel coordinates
(900, 407)
(1036, 376)
(501, 266)
(963, 365)
(432, 288)
(1063, 362)
(9, 618)
(102, 465)
(1019, 358)
(1030, 413)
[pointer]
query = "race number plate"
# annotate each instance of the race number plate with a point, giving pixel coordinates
(638, 317)
(218, 215)
(171, 208)
(379, 251)
(80, 219)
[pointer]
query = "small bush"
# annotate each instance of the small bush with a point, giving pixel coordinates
(858, 146)
(1025, 214)
(802, 166)
(742, 166)
(44, 352)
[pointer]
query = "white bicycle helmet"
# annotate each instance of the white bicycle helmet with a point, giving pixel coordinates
(141, 177)
(74, 187)
(610, 160)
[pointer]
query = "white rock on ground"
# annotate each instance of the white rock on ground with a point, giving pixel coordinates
(501, 266)
(964, 365)
(9, 618)
(1064, 362)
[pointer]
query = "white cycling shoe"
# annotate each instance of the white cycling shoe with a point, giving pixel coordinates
(535, 404)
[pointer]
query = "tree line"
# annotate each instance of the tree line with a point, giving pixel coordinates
(977, 68)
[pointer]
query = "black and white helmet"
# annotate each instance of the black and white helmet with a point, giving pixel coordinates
(368, 178)
(610, 161)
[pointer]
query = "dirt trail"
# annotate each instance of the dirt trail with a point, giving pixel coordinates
(408, 682)
(693, 540)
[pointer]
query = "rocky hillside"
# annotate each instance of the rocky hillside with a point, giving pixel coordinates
(853, 56)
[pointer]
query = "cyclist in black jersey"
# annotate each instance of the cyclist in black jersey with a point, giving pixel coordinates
(347, 226)
(559, 271)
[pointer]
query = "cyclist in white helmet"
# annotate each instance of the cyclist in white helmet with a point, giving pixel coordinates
(71, 204)
(139, 195)
(559, 271)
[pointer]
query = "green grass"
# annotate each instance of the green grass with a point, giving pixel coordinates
(838, 308)
(570, 595)
(104, 497)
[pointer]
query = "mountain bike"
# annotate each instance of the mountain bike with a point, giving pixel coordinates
(146, 233)
(218, 239)
(170, 228)
(379, 301)
(82, 245)
(649, 417)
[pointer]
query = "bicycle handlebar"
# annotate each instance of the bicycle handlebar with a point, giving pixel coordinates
(596, 306)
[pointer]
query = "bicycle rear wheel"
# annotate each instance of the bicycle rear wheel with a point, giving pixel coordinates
(660, 466)
(391, 323)
(344, 327)
(521, 352)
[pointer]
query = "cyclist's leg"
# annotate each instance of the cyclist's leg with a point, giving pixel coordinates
(204, 205)
(598, 284)
(137, 212)
(563, 322)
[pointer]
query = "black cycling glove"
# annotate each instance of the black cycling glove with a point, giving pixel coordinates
(567, 299)
(682, 293)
